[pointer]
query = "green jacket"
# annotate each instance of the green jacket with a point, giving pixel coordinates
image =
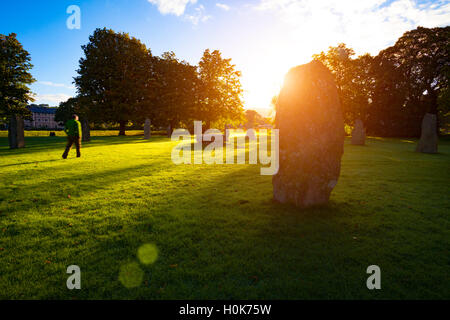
(73, 128)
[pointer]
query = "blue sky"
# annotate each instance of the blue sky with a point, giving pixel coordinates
(264, 38)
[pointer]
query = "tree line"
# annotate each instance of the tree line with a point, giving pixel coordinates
(120, 81)
(392, 91)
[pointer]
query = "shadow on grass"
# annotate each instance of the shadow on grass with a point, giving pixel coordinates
(250, 235)
(38, 144)
(88, 182)
(30, 162)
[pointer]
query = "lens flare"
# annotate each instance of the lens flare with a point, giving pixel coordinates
(147, 253)
(131, 275)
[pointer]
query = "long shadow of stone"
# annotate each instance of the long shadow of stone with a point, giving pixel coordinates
(250, 228)
(231, 240)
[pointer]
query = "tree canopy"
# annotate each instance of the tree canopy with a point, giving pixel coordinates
(352, 77)
(14, 77)
(115, 77)
(177, 91)
(67, 109)
(410, 78)
(120, 81)
(392, 92)
(220, 89)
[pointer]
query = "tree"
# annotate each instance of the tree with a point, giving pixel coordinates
(115, 77)
(72, 106)
(220, 89)
(353, 80)
(177, 91)
(410, 78)
(253, 119)
(444, 105)
(14, 91)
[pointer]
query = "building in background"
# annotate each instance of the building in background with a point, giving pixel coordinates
(43, 118)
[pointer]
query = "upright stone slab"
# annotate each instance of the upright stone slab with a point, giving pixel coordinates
(225, 132)
(85, 130)
(358, 133)
(16, 132)
(428, 142)
(311, 125)
(147, 132)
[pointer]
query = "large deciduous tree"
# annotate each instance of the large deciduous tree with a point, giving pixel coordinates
(410, 78)
(67, 109)
(115, 77)
(353, 80)
(177, 92)
(14, 91)
(220, 89)
(253, 119)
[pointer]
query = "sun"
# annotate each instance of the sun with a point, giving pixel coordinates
(263, 82)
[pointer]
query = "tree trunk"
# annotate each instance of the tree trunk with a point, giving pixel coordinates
(122, 124)
(16, 134)
(85, 130)
(169, 130)
(208, 125)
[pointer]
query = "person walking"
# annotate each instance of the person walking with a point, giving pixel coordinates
(73, 131)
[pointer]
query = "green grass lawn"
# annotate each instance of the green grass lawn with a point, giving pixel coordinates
(60, 133)
(217, 232)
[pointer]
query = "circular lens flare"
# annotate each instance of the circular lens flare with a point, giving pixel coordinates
(147, 253)
(131, 275)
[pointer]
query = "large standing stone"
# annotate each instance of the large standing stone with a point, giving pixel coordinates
(16, 132)
(85, 130)
(311, 126)
(428, 142)
(358, 133)
(147, 132)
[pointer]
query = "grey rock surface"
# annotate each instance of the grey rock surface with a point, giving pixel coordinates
(358, 133)
(311, 125)
(428, 142)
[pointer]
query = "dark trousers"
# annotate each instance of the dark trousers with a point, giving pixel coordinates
(70, 141)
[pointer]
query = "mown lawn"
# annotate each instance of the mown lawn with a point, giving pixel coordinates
(217, 232)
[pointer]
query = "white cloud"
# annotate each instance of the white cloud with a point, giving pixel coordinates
(366, 25)
(178, 8)
(52, 84)
(223, 6)
(53, 98)
(199, 15)
(175, 7)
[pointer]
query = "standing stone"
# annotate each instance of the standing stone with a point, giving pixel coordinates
(147, 132)
(16, 132)
(428, 142)
(225, 132)
(85, 130)
(311, 125)
(358, 133)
